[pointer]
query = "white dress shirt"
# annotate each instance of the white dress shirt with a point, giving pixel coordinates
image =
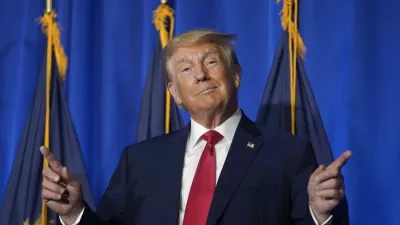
(194, 148)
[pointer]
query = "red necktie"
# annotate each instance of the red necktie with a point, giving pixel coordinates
(203, 185)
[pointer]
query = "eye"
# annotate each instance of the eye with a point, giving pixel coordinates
(211, 62)
(186, 69)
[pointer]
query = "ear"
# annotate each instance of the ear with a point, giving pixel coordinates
(173, 90)
(236, 76)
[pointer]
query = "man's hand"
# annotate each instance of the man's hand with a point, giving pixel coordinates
(61, 190)
(326, 188)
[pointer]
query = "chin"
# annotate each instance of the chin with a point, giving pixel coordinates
(208, 103)
(210, 107)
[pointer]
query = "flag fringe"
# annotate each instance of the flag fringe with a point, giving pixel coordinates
(37, 222)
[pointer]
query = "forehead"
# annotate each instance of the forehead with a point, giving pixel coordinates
(189, 52)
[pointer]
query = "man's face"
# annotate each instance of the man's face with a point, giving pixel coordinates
(201, 81)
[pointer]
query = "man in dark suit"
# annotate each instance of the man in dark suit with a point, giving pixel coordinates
(220, 169)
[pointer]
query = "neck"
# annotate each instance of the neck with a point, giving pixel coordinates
(214, 118)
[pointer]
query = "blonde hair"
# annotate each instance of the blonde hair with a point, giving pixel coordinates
(200, 36)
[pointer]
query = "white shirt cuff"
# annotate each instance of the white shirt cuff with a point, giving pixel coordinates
(77, 219)
(327, 222)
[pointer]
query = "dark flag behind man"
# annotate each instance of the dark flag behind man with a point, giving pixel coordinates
(275, 112)
(153, 108)
(288, 102)
(275, 109)
(22, 202)
(158, 113)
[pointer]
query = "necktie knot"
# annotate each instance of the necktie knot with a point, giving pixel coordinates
(212, 137)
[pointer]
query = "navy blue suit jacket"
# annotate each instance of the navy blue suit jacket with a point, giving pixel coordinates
(266, 184)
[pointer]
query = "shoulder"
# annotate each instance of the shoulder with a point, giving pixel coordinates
(279, 143)
(288, 146)
(283, 138)
(155, 145)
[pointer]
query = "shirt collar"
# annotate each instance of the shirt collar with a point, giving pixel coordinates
(226, 129)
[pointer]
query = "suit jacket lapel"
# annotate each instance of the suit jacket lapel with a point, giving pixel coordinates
(244, 148)
(171, 174)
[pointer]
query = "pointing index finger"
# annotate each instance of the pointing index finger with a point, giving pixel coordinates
(54, 164)
(341, 161)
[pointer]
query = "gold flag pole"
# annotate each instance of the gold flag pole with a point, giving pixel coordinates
(51, 29)
(49, 8)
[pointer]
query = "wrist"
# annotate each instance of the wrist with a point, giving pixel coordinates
(321, 217)
(71, 217)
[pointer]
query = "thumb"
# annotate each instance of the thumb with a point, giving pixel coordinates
(319, 170)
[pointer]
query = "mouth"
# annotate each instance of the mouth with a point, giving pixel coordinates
(207, 90)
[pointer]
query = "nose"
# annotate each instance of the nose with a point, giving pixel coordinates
(201, 73)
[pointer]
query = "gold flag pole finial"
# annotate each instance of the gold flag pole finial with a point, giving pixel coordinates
(49, 6)
(163, 1)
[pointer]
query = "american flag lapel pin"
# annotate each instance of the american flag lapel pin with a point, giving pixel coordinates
(250, 145)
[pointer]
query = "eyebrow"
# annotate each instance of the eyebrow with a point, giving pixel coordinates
(203, 54)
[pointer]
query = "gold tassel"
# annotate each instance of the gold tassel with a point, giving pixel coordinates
(51, 29)
(161, 17)
(160, 20)
(289, 25)
(296, 47)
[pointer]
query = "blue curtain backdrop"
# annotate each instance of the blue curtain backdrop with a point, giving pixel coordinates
(352, 62)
